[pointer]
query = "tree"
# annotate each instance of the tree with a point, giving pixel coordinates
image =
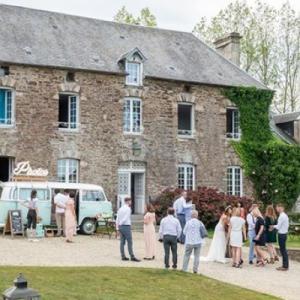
(289, 53)
(146, 18)
(269, 48)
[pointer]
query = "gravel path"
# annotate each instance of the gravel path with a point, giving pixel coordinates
(96, 251)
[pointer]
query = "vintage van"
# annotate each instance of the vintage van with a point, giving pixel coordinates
(90, 201)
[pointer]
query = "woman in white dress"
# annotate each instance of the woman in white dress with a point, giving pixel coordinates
(237, 230)
(218, 244)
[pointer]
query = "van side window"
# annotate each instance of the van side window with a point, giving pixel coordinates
(42, 194)
(15, 194)
(92, 196)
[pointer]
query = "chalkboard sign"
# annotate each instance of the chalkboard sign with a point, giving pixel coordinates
(14, 223)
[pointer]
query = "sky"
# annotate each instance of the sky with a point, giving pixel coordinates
(171, 14)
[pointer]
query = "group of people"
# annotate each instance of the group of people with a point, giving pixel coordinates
(65, 214)
(231, 232)
(182, 225)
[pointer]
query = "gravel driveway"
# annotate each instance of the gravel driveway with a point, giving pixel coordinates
(97, 251)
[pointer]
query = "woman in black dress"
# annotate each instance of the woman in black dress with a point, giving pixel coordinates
(260, 240)
(271, 235)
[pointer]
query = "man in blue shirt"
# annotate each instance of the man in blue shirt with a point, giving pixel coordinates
(193, 241)
(179, 206)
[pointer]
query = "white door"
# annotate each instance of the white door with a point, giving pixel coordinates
(124, 187)
(139, 192)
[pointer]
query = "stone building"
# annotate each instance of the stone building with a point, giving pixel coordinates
(131, 108)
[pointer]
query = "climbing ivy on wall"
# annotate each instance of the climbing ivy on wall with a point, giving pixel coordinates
(272, 166)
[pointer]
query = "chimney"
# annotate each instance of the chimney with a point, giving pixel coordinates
(229, 47)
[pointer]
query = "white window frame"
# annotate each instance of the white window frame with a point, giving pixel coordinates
(180, 134)
(233, 186)
(233, 135)
(77, 123)
(185, 167)
(12, 118)
(67, 169)
(139, 73)
(131, 125)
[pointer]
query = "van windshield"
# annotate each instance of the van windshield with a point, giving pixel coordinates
(93, 196)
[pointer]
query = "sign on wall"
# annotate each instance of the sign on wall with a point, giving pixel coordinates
(24, 170)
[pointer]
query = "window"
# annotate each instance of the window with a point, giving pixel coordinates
(93, 196)
(132, 115)
(68, 112)
(42, 194)
(234, 181)
(70, 77)
(4, 71)
(67, 170)
(186, 177)
(134, 76)
(6, 107)
(233, 123)
(185, 119)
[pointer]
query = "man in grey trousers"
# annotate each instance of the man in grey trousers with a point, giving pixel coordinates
(123, 224)
(193, 242)
(169, 232)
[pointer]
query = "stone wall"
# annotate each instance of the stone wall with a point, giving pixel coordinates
(100, 144)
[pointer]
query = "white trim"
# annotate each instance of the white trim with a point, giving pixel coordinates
(192, 135)
(131, 100)
(232, 135)
(66, 169)
(139, 73)
(77, 128)
(13, 107)
(185, 166)
(234, 168)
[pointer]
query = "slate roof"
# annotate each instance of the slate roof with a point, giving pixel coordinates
(42, 38)
(288, 117)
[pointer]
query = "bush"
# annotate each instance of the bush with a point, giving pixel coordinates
(208, 201)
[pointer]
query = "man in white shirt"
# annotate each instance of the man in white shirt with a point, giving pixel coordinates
(123, 225)
(60, 206)
(179, 205)
(251, 232)
(193, 242)
(283, 228)
(169, 231)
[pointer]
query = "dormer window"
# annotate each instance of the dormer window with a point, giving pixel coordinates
(132, 63)
(134, 74)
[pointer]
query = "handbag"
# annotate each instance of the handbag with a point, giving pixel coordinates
(203, 231)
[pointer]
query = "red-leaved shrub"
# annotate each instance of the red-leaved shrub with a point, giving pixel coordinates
(209, 202)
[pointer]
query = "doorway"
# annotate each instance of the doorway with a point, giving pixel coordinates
(131, 184)
(6, 168)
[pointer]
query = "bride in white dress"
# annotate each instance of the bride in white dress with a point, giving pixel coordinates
(217, 249)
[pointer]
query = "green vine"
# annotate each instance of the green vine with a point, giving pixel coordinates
(272, 166)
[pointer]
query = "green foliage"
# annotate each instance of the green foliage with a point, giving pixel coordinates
(146, 18)
(272, 166)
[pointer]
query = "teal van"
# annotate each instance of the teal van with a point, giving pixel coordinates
(90, 201)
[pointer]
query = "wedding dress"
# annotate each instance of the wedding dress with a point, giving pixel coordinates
(217, 247)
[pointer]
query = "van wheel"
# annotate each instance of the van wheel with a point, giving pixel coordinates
(88, 226)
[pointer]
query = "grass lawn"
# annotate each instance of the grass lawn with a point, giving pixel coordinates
(123, 283)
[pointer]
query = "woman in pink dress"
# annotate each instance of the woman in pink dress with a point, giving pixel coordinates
(149, 232)
(70, 218)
